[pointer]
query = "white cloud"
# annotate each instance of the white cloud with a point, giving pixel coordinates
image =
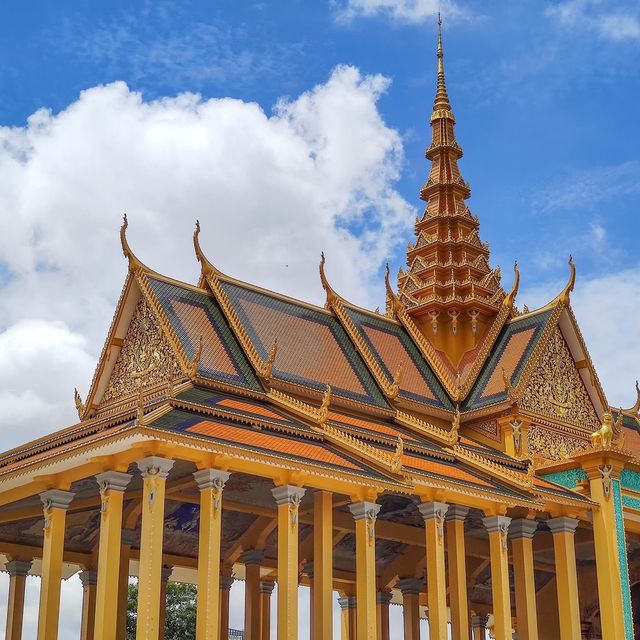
(408, 11)
(608, 310)
(621, 23)
(271, 191)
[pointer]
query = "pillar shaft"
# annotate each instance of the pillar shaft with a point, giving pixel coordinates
(225, 586)
(478, 627)
(112, 487)
(128, 538)
(353, 618)
(266, 589)
(410, 588)
(521, 533)
(154, 472)
(383, 598)
(211, 483)
(288, 499)
(88, 627)
(17, 570)
(563, 530)
(322, 591)
(434, 515)
(497, 526)
(55, 504)
(252, 597)
(457, 572)
(162, 615)
(365, 514)
(344, 617)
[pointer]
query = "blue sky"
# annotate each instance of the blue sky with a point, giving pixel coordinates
(307, 131)
(546, 103)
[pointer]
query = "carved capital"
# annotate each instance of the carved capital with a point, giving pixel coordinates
(522, 528)
(155, 466)
(563, 524)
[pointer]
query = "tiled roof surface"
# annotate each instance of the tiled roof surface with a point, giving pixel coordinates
(193, 314)
(241, 407)
(250, 439)
(515, 344)
(392, 347)
(313, 348)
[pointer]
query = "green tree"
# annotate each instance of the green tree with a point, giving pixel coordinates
(180, 621)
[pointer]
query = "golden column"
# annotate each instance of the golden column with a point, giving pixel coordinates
(365, 514)
(410, 589)
(563, 530)
(602, 468)
(225, 585)
(112, 486)
(266, 589)
(497, 527)
(352, 604)
(89, 580)
(434, 514)
(55, 502)
(211, 483)
(154, 471)
(17, 570)
(521, 533)
(478, 626)
(383, 598)
(322, 609)
(455, 518)
(288, 499)
(127, 540)
(164, 583)
(343, 602)
(252, 559)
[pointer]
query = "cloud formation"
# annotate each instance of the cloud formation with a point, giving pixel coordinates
(618, 24)
(271, 192)
(406, 11)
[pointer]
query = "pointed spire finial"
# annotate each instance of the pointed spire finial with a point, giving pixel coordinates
(442, 98)
(134, 263)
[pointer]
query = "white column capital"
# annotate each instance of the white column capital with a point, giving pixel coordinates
(522, 528)
(211, 478)
(113, 481)
(288, 494)
(410, 586)
(563, 524)
(343, 602)
(266, 587)
(88, 577)
(364, 510)
(496, 524)
(457, 512)
(56, 499)
(251, 556)
(433, 510)
(155, 466)
(18, 567)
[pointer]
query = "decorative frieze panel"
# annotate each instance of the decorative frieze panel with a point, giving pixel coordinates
(487, 428)
(551, 445)
(146, 357)
(556, 389)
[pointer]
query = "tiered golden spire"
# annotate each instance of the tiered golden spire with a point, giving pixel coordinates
(449, 289)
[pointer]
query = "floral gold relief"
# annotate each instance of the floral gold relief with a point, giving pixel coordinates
(146, 358)
(556, 389)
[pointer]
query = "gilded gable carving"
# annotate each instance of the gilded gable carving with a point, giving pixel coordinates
(556, 389)
(552, 445)
(146, 357)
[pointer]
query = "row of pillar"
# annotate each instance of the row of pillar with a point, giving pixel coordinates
(369, 619)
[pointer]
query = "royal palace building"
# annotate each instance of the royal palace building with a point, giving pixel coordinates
(455, 455)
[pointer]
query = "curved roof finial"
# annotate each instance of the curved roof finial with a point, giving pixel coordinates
(565, 293)
(332, 296)
(635, 410)
(134, 263)
(207, 268)
(511, 296)
(394, 306)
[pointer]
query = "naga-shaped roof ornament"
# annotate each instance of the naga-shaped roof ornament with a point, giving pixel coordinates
(79, 404)
(265, 370)
(635, 410)
(510, 298)
(394, 306)
(207, 268)
(332, 296)
(134, 263)
(563, 296)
